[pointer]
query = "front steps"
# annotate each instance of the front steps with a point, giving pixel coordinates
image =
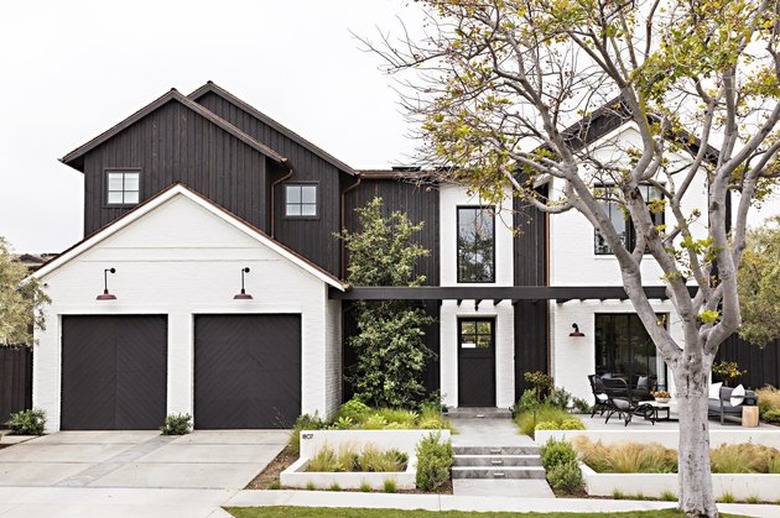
(505, 462)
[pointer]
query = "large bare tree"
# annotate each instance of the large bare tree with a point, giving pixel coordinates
(499, 86)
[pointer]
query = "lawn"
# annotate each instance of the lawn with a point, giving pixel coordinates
(300, 512)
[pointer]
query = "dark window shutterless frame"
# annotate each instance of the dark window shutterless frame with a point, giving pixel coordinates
(476, 244)
(122, 187)
(301, 200)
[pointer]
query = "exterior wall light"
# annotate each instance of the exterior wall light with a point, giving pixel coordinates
(576, 331)
(106, 295)
(243, 295)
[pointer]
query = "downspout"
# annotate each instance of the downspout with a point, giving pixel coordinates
(343, 258)
(273, 197)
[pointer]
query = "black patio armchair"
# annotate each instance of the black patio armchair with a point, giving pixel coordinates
(622, 403)
(601, 404)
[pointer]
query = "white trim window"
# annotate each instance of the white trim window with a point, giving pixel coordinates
(300, 200)
(123, 187)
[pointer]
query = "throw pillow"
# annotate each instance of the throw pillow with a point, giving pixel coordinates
(715, 390)
(642, 383)
(737, 395)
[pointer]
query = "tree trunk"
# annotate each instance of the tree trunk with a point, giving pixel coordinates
(695, 478)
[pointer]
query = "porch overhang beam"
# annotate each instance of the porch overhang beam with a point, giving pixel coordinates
(513, 293)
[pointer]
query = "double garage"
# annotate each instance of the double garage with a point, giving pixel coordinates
(247, 371)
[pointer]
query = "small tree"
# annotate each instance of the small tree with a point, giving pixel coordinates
(759, 285)
(21, 303)
(391, 354)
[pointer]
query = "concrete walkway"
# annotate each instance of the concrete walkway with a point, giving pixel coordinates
(494, 432)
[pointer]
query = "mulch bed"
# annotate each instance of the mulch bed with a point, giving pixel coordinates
(269, 477)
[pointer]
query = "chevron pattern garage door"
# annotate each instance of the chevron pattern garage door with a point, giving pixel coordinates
(247, 371)
(114, 372)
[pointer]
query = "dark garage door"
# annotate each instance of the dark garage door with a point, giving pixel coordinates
(247, 371)
(114, 372)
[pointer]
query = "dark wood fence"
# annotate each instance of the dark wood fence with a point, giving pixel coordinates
(763, 365)
(15, 381)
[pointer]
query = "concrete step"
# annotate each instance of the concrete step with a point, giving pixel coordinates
(504, 472)
(498, 460)
(496, 450)
(480, 412)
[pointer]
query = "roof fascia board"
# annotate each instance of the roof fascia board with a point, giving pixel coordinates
(211, 87)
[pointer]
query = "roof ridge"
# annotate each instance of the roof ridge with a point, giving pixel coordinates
(212, 87)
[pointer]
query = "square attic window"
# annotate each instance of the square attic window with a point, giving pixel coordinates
(123, 187)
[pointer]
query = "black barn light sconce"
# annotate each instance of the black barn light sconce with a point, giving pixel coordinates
(243, 295)
(106, 295)
(576, 331)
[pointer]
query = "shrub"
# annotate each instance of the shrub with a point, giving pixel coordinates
(177, 424)
(559, 398)
(390, 486)
(27, 422)
(434, 460)
(668, 496)
(753, 499)
(566, 478)
(726, 498)
(375, 422)
(527, 420)
(310, 486)
(365, 487)
(335, 487)
(582, 406)
(571, 423)
(528, 401)
(768, 401)
(555, 453)
(772, 415)
(354, 410)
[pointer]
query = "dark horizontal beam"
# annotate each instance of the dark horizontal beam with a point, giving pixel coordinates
(496, 293)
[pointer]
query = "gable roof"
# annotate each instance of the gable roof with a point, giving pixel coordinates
(179, 189)
(73, 158)
(615, 114)
(211, 87)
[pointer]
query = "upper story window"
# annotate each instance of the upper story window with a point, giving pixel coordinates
(300, 200)
(123, 187)
(476, 244)
(621, 221)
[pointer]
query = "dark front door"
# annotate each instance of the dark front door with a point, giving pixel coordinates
(114, 372)
(247, 371)
(476, 362)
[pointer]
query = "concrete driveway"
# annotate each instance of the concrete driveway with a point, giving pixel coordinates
(132, 473)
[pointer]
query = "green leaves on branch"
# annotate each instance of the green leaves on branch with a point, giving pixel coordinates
(391, 354)
(21, 303)
(758, 285)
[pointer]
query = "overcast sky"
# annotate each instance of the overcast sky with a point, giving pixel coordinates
(73, 69)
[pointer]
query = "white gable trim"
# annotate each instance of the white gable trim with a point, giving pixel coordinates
(160, 200)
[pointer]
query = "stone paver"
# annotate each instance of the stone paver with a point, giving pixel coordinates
(488, 432)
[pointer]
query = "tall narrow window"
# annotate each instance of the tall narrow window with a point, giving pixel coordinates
(123, 187)
(621, 221)
(476, 244)
(300, 200)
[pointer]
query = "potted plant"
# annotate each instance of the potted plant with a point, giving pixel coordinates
(728, 371)
(661, 396)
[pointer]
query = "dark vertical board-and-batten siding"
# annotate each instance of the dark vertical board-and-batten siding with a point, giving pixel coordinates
(313, 238)
(174, 144)
(531, 317)
(15, 381)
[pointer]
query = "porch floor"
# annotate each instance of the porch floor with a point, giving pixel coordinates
(615, 423)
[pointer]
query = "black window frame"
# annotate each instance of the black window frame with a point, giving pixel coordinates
(317, 203)
(477, 334)
(482, 208)
(106, 191)
(613, 208)
(632, 322)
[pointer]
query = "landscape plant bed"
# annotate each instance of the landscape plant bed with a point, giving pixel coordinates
(739, 471)
(312, 442)
(668, 438)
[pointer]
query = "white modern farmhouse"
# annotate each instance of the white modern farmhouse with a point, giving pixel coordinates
(210, 280)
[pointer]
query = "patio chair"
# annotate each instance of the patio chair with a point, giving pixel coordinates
(601, 404)
(621, 402)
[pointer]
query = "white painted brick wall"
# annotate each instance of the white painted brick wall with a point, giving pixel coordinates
(181, 260)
